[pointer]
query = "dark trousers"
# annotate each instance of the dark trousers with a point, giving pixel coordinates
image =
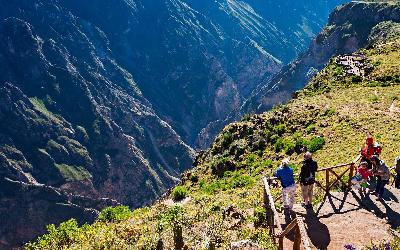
(397, 181)
(380, 186)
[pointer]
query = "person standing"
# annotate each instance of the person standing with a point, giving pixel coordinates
(383, 175)
(397, 170)
(307, 179)
(285, 175)
(370, 149)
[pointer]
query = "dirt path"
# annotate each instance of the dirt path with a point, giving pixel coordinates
(350, 219)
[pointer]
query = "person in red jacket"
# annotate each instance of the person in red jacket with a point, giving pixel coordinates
(370, 149)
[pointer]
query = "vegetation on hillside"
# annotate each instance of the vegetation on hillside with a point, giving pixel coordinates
(220, 200)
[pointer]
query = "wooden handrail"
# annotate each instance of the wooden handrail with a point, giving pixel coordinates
(329, 168)
(303, 233)
(274, 222)
(270, 204)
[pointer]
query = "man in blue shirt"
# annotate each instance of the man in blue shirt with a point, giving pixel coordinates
(285, 174)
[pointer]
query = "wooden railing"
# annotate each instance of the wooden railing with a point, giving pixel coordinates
(273, 219)
(275, 225)
(349, 168)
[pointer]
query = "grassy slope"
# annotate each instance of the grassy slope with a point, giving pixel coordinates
(334, 107)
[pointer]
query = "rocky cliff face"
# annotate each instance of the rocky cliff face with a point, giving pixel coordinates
(346, 32)
(197, 61)
(72, 118)
(102, 98)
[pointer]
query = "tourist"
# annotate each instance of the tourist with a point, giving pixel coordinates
(381, 171)
(397, 170)
(285, 175)
(360, 180)
(370, 149)
(307, 179)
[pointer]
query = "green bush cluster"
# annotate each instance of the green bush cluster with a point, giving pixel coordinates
(260, 216)
(290, 145)
(316, 144)
(63, 235)
(115, 214)
(179, 193)
(170, 217)
(285, 144)
(310, 128)
(280, 129)
(231, 180)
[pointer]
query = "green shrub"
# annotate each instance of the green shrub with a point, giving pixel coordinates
(240, 180)
(115, 214)
(179, 193)
(394, 97)
(330, 112)
(280, 129)
(274, 138)
(194, 178)
(211, 188)
(316, 144)
(310, 128)
(356, 79)
(285, 144)
(56, 237)
(260, 216)
(227, 139)
(374, 98)
(170, 217)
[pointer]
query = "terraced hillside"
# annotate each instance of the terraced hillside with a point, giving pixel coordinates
(219, 202)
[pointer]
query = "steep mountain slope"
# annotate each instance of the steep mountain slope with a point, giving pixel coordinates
(73, 119)
(219, 202)
(346, 32)
(196, 61)
(101, 98)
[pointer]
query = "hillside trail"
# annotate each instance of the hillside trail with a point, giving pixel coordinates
(349, 218)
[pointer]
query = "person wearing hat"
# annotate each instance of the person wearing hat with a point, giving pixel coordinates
(383, 175)
(285, 175)
(307, 179)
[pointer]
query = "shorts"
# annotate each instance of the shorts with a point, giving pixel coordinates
(307, 190)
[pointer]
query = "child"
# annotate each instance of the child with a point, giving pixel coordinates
(285, 175)
(365, 174)
(360, 180)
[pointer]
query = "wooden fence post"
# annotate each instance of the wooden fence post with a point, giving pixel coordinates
(178, 239)
(351, 175)
(281, 243)
(327, 181)
(297, 239)
(160, 244)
